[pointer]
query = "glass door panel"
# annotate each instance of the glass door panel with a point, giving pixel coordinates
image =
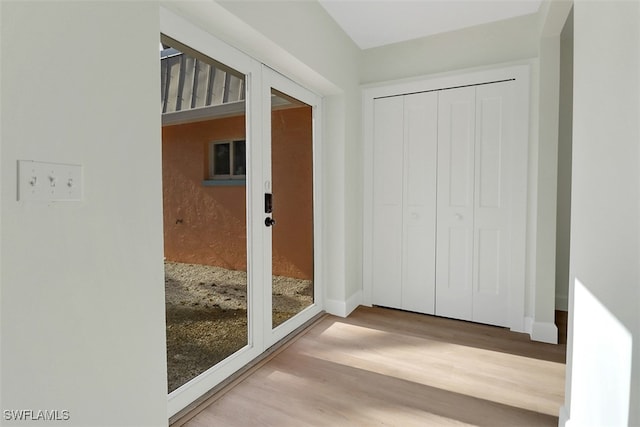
(292, 260)
(205, 214)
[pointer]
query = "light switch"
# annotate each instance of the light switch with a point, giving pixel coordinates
(49, 181)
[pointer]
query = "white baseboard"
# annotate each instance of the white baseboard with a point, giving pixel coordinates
(528, 325)
(335, 307)
(563, 417)
(544, 332)
(541, 331)
(343, 308)
(353, 302)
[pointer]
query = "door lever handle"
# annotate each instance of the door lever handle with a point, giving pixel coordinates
(268, 221)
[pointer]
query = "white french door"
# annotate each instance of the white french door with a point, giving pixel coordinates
(281, 133)
(291, 240)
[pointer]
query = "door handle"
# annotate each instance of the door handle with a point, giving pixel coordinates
(268, 221)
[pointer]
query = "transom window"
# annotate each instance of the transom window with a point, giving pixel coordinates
(227, 160)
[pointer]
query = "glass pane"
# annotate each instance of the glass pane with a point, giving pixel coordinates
(292, 185)
(221, 159)
(204, 226)
(239, 158)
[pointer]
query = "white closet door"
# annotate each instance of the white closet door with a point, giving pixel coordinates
(388, 164)
(492, 203)
(420, 165)
(455, 202)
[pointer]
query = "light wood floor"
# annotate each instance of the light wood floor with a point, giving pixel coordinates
(382, 367)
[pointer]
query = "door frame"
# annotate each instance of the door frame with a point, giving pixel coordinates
(471, 77)
(188, 34)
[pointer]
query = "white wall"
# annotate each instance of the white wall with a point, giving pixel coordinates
(82, 309)
(301, 41)
(605, 214)
(549, 62)
(565, 129)
(504, 41)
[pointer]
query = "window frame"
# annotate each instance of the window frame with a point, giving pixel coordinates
(212, 176)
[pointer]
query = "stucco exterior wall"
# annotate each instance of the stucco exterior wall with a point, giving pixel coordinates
(202, 225)
(207, 224)
(292, 176)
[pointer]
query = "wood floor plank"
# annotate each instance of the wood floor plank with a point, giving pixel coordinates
(382, 367)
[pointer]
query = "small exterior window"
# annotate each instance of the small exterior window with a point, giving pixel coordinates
(227, 160)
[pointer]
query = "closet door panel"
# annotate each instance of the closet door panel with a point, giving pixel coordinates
(455, 203)
(421, 139)
(388, 164)
(492, 204)
(387, 258)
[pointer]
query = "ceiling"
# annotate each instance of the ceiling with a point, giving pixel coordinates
(373, 23)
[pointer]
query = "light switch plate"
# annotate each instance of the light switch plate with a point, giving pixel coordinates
(49, 181)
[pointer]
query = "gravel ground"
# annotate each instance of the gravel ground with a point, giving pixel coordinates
(206, 309)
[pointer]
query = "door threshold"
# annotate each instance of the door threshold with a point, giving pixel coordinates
(190, 411)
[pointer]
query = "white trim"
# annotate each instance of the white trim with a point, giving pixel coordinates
(562, 302)
(528, 325)
(318, 204)
(541, 331)
(519, 186)
(563, 417)
(544, 332)
(353, 302)
(521, 75)
(367, 206)
(344, 308)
